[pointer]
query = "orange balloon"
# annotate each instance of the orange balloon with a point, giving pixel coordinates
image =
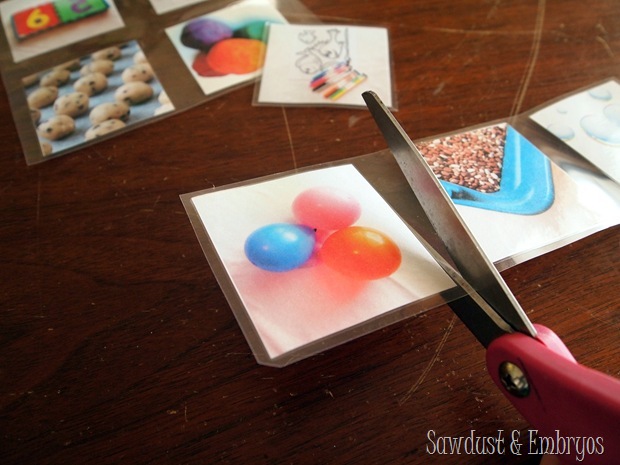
(236, 56)
(361, 253)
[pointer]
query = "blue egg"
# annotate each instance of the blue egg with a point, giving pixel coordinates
(280, 246)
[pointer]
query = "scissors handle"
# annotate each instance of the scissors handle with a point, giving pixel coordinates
(575, 407)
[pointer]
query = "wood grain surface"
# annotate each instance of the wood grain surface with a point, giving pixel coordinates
(118, 347)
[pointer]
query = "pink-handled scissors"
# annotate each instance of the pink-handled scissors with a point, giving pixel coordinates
(529, 363)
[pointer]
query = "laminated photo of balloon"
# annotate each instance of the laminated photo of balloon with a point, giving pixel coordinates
(226, 48)
(315, 253)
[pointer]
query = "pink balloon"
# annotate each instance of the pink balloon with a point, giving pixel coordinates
(326, 208)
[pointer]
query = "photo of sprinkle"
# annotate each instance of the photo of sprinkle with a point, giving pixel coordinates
(225, 48)
(472, 159)
(335, 81)
(90, 97)
(492, 167)
(46, 16)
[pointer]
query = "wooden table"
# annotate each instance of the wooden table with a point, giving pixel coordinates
(118, 346)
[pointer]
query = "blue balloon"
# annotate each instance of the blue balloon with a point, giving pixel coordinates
(280, 246)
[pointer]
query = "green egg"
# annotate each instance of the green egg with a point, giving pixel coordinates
(253, 30)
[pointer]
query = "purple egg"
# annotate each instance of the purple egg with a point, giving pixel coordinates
(202, 33)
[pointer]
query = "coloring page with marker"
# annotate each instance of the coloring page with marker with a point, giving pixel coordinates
(325, 65)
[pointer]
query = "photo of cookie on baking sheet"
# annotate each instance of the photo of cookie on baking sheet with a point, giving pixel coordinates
(110, 90)
(311, 255)
(34, 27)
(225, 49)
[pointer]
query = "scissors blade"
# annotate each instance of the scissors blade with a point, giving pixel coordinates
(468, 257)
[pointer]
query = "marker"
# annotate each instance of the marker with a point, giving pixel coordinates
(334, 80)
(329, 69)
(337, 84)
(343, 90)
(343, 83)
(328, 78)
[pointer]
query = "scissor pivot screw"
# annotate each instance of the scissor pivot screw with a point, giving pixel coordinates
(514, 379)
